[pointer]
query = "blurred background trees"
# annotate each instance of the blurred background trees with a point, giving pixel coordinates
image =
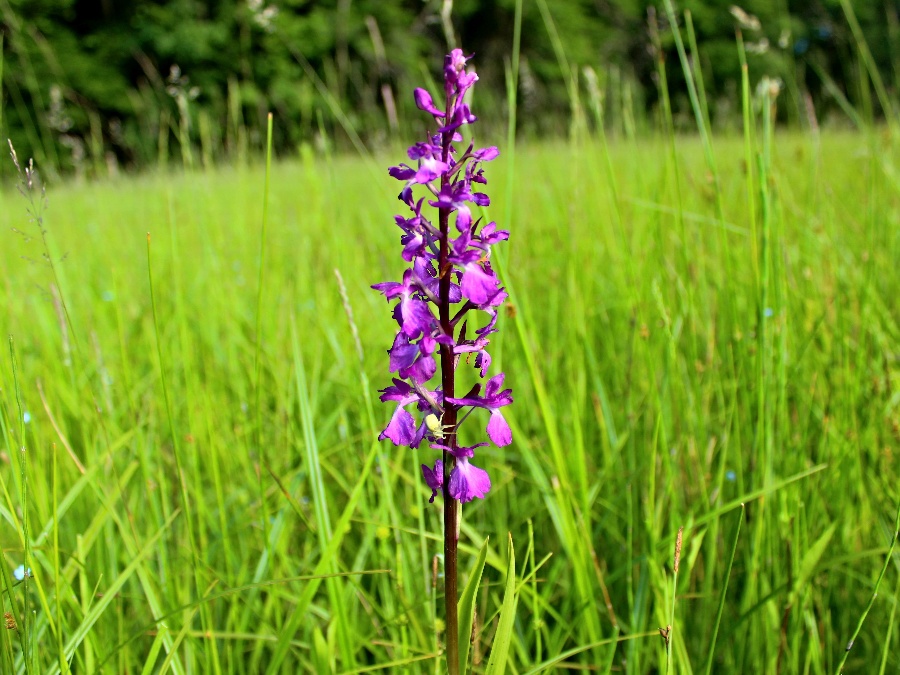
(91, 86)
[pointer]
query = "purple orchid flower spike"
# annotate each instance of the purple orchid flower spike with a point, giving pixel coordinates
(449, 275)
(447, 282)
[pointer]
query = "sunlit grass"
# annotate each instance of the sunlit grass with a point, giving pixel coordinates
(636, 359)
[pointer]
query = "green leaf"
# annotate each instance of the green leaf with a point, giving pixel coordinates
(500, 648)
(810, 562)
(466, 606)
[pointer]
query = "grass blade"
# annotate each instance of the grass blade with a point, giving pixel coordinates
(723, 594)
(467, 606)
(503, 636)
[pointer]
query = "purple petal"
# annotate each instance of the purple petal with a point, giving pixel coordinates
(402, 353)
(399, 391)
(493, 385)
(460, 246)
(477, 285)
(475, 402)
(486, 154)
(460, 451)
(413, 246)
(420, 434)
(430, 169)
(491, 325)
(466, 80)
(456, 60)
(498, 299)
(483, 362)
(498, 430)
(402, 172)
(389, 288)
(422, 370)
(461, 115)
(416, 316)
(463, 219)
(425, 102)
(467, 481)
(434, 478)
(489, 234)
(401, 430)
(420, 151)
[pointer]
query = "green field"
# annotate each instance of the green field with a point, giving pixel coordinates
(688, 348)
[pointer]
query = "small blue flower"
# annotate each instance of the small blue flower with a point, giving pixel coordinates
(26, 417)
(730, 476)
(20, 573)
(768, 311)
(801, 46)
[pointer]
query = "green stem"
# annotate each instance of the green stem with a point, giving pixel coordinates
(260, 447)
(884, 568)
(723, 594)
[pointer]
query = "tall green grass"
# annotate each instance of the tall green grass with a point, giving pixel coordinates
(703, 335)
(680, 346)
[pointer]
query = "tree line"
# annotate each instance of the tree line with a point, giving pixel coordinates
(90, 86)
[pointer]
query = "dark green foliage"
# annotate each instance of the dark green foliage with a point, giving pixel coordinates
(86, 83)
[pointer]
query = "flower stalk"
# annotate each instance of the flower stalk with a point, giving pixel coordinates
(452, 509)
(449, 277)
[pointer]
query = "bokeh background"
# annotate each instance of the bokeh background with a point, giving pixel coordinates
(89, 86)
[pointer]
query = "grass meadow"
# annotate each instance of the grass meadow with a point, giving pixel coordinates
(703, 335)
